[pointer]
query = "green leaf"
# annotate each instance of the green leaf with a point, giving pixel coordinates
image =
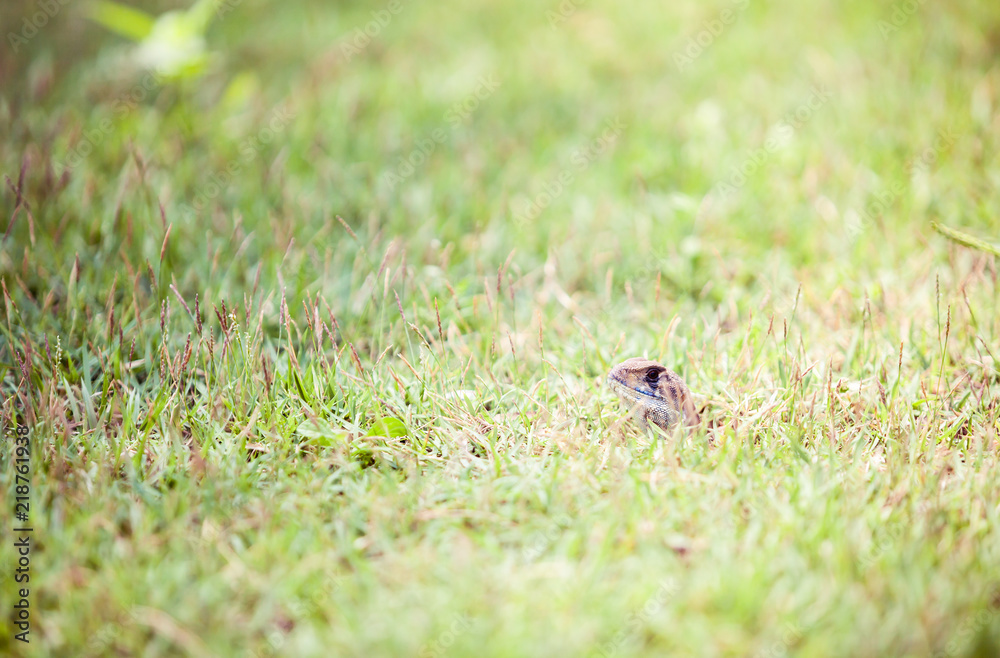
(965, 239)
(200, 15)
(173, 43)
(129, 22)
(388, 427)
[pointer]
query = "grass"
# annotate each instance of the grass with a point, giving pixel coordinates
(306, 372)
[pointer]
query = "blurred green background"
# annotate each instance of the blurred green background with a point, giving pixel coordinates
(309, 305)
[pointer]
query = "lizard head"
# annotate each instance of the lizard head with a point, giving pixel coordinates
(651, 393)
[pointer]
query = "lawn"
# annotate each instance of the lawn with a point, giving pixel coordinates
(307, 329)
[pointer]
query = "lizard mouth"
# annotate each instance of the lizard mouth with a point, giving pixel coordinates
(647, 405)
(621, 388)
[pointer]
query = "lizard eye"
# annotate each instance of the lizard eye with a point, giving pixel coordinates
(652, 376)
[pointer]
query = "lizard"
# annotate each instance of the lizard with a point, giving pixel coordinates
(650, 392)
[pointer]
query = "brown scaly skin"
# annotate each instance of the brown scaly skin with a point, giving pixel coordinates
(651, 393)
